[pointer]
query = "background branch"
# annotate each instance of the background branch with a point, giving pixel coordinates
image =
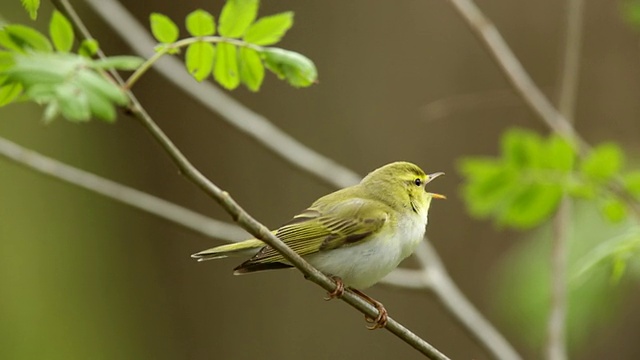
(515, 73)
(568, 88)
(140, 200)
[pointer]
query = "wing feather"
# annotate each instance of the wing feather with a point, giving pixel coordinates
(323, 228)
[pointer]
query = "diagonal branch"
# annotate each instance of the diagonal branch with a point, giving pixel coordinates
(255, 228)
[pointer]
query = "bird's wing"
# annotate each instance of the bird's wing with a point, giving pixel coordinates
(322, 228)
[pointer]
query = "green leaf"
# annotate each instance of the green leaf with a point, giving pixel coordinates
(489, 185)
(631, 183)
(614, 209)
(297, 69)
(73, 102)
(6, 60)
(51, 68)
(603, 162)
(88, 48)
(9, 92)
(532, 205)
(237, 16)
(96, 83)
(163, 28)
(522, 148)
(200, 23)
(199, 59)
(226, 66)
(61, 32)
(559, 154)
(120, 62)
(51, 111)
(270, 29)
(22, 38)
(32, 7)
(101, 107)
(251, 69)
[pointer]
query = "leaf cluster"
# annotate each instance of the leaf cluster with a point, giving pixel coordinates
(524, 185)
(240, 53)
(35, 68)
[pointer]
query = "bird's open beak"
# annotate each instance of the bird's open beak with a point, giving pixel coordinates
(431, 177)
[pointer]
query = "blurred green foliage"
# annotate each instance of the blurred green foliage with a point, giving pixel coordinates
(32, 68)
(523, 186)
(521, 189)
(631, 12)
(523, 279)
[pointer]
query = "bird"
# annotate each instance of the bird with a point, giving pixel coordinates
(356, 235)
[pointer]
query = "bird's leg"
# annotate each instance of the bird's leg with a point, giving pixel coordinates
(339, 290)
(381, 320)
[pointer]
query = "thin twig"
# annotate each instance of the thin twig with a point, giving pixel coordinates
(177, 214)
(568, 88)
(489, 35)
(556, 348)
(212, 98)
(258, 230)
(168, 48)
(459, 103)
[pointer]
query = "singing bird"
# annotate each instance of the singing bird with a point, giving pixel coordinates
(356, 235)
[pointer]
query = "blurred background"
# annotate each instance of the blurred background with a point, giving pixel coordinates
(82, 276)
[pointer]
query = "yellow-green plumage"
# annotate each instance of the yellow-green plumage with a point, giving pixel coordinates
(359, 233)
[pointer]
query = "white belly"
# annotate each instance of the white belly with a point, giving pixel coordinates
(363, 265)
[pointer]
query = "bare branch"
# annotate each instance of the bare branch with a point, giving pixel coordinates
(556, 325)
(182, 216)
(486, 31)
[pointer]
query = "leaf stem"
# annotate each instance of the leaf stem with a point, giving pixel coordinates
(164, 49)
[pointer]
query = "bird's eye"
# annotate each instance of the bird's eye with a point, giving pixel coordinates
(418, 182)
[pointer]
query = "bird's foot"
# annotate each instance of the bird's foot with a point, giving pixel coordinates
(383, 316)
(338, 291)
(381, 320)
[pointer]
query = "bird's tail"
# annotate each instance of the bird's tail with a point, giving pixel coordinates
(248, 247)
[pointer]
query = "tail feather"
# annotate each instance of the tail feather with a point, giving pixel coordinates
(249, 247)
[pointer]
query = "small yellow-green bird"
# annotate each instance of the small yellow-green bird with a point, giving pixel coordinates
(356, 235)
